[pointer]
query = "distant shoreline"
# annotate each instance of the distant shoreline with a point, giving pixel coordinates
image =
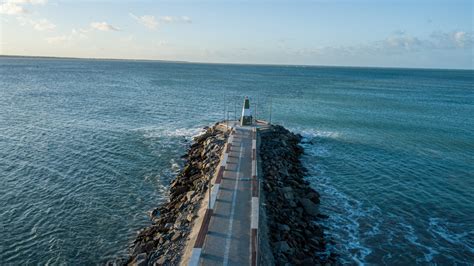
(223, 63)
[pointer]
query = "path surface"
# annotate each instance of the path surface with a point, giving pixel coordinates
(228, 241)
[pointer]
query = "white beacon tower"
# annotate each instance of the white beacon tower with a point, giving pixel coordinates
(246, 119)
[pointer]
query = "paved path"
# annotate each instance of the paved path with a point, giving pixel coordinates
(228, 240)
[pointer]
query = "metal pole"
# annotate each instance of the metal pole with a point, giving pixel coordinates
(224, 107)
(258, 98)
(235, 110)
(256, 105)
(253, 116)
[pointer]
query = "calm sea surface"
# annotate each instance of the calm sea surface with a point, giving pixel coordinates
(87, 147)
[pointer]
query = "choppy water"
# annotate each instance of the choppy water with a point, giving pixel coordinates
(88, 146)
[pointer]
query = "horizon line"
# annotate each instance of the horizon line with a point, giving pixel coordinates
(227, 63)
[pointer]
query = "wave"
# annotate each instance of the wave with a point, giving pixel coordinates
(310, 133)
(344, 228)
(362, 232)
(345, 214)
(453, 233)
(154, 132)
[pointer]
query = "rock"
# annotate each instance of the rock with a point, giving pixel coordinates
(140, 260)
(307, 262)
(322, 216)
(161, 261)
(154, 212)
(178, 190)
(157, 236)
(314, 241)
(175, 237)
(309, 207)
(190, 217)
(283, 227)
(288, 196)
(313, 196)
(290, 204)
(283, 247)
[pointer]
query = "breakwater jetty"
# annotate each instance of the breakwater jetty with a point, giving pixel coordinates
(241, 199)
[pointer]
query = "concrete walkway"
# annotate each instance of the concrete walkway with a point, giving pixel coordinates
(226, 232)
(228, 240)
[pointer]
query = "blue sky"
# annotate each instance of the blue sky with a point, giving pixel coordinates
(434, 34)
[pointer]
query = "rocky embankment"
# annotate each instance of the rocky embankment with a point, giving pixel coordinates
(163, 242)
(291, 205)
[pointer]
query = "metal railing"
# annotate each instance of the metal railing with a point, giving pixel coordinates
(262, 108)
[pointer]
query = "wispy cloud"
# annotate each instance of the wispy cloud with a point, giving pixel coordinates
(146, 20)
(452, 40)
(12, 9)
(171, 19)
(75, 35)
(16, 7)
(33, 2)
(81, 33)
(39, 25)
(398, 42)
(438, 40)
(153, 23)
(103, 26)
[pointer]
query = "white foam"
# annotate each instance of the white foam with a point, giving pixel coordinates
(344, 212)
(174, 165)
(452, 232)
(309, 133)
(167, 131)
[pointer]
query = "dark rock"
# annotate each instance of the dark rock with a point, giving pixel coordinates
(309, 207)
(291, 205)
(161, 261)
(313, 196)
(282, 247)
(322, 216)
(283, 227)
(175, 237)
(140, 260)
(163, 241)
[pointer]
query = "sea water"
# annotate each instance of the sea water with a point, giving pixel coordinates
(87, 147)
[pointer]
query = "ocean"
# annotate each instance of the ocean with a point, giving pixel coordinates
(87, 147)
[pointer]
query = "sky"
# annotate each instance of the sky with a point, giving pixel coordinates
(404, 33)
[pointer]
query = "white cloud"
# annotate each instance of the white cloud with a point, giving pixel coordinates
(146, 20)
(186, 19)
(39, 25)
(58, 39)
(43, 24)
(408, 43)
(16, 7)
(397, 43)
(452, 40)
(12, 9)
(160, 43)
(103, 26)
(152, 23)
(460, 38)
(171, 19)
(73, 36)
(403, 42)
(33, 2)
